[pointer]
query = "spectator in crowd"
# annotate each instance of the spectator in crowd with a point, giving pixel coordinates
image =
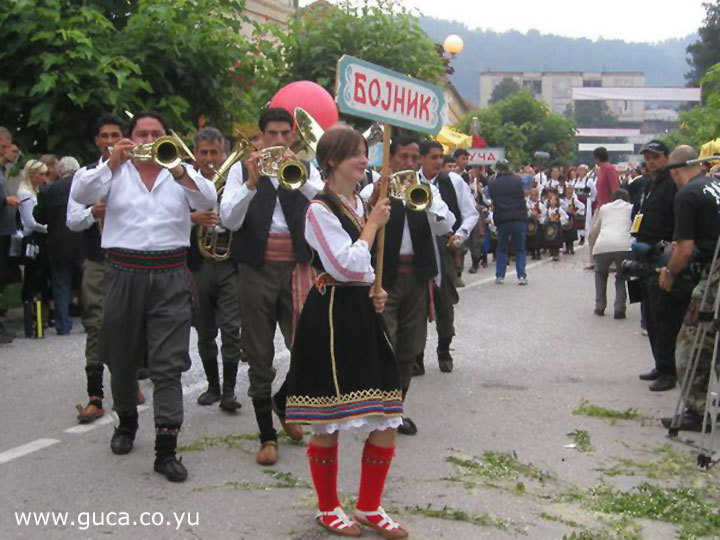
(35, 278)
(510, 217)
(607, 177)
(610, 241)
(64, 247)
(462, 157)
(51, 160)
(8, 204)
(449, 164)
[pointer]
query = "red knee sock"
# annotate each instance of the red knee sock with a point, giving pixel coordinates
(375, 466)
(324, 471)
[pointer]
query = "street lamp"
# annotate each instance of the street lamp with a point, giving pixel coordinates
(453, 44)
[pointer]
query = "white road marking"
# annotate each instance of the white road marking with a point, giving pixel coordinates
(105, 420)
(25, 449)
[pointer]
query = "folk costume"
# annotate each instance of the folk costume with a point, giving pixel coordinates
(411, 271)
(576, 215)
(273, 259)
(343, 372)
(537, 215)
(552, 230)
(147, 294)
(459, 199)
(218, 309)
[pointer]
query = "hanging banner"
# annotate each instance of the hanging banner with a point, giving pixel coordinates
(485, 156)
(376, 93)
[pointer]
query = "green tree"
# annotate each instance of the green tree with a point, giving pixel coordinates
(700, 124)
(706, 52)
(381, 32)
(68, 61)
(505, 88)
(523, 125)
(595, 113)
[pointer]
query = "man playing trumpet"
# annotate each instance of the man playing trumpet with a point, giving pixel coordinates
(273, 265)
(147, 294)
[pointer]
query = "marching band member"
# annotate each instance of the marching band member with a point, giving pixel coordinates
(411, 267)
(537, 215)
(343, 372)
(456, 194)
(273, 267)
(147, 294)
(218, 290)
(556, 218)
(574, 209)
(87, 220)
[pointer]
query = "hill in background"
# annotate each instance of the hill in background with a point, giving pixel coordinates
(663, 63)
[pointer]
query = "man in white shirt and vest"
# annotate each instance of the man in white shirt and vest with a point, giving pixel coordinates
(147, 294)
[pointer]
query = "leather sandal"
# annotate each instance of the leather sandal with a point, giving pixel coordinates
(91, 412)
(385, 526)
(342, 525)
(268, 453)
(294, 431)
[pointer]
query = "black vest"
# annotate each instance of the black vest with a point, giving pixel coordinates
(421, 236)
(248, 243)
(348, 225)
(448, 194)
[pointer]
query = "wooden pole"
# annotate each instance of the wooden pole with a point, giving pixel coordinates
(385, 173)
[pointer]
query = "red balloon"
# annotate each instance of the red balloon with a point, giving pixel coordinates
(310, 96)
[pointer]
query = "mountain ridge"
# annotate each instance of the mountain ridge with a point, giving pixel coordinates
(663, 63)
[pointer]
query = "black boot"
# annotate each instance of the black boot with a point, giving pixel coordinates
(407, 427)
(263, 415)
(124, 437)
(212, 394)
(94, 373)
(229, 402)
(445, 359)
(419, 366)
(165, 461)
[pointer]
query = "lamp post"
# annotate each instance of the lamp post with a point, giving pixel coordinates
(453, 45)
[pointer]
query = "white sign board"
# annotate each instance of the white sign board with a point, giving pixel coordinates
(485, 156)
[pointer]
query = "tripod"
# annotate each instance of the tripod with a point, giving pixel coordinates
(708, 328)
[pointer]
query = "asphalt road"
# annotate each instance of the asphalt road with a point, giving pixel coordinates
(525, 357)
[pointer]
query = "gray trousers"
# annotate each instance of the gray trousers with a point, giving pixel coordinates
(446, 296)
(147, 311)
(602, 266)
(265, 302)
(405, 316)
(218, 309)
(92, 301)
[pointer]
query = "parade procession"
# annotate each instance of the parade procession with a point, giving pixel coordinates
(234, 235)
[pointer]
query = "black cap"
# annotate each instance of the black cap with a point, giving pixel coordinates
(656, 147)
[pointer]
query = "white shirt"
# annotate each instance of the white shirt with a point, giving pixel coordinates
(139, 219)
(554, 212)
(342, 258)
(236, 199)
(611, 228)
(79, 217)
(531, 210)
(466, 202)
(26, 212)
(579, 207)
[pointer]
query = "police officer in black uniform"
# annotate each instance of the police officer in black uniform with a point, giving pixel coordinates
(654, 223)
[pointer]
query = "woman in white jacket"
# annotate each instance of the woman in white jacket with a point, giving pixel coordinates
(610, 242)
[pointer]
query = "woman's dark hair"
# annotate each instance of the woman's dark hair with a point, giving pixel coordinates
(336, 145)
(147, 114)
(620, 194)
(274, 114)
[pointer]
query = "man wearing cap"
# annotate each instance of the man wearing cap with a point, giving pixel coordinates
(510, 217)
(697, 228)
(654, 222)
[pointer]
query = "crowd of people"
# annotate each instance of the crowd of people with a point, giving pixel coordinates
(129, 234)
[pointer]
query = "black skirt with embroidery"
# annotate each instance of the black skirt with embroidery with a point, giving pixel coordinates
(342, 365)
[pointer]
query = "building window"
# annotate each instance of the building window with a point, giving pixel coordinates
(533, 85)
(592, 83)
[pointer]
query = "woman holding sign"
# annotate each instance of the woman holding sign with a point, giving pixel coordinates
(343, 372)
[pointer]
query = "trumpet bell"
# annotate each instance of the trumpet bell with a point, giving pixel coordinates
(292, 175)
(307, 132)
(406, 186)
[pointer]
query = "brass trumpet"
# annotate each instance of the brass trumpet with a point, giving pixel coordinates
(292, 174)
(406, 186)
(168, 151)
(214, 242)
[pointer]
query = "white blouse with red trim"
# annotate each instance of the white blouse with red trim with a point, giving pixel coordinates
(342, 258)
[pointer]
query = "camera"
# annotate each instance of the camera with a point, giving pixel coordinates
(647, 258)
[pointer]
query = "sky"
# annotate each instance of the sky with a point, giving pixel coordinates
(629, 20)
